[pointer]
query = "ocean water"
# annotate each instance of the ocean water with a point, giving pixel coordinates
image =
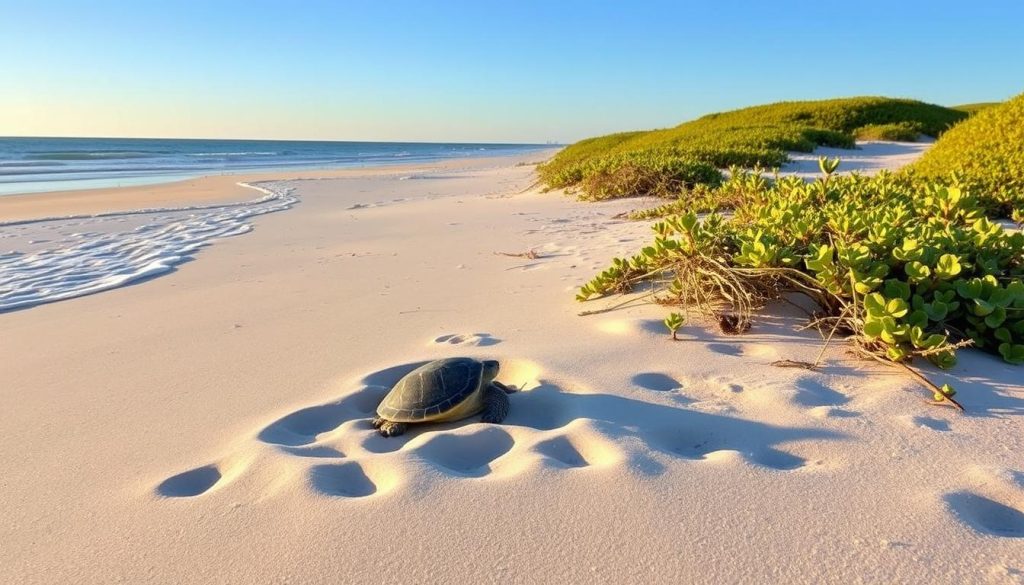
(32, 165)
(84, 255)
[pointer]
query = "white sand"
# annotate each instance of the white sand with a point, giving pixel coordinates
(870, 157)
(211, 425)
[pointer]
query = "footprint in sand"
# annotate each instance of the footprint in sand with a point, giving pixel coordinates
(688, 443)
(986, 515)
(563, 451)
(812, 393)
(200, 480)
(756, 350)
(808, 394)
(466, 454)
(824, 412)
(720, 438)
(303, 426)
(657, 382)
(190, 483)
(477, 339)
(582, 445)
(726, 349)
(353, 479)
(346, 480)
(777, 459)
(992, 503)
(931, 423)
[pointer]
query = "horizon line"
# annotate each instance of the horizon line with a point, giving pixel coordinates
(284, 140)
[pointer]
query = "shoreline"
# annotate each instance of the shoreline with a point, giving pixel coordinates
(268, 195)
(106, 249)
(49, 164)
(211, 190)
(203, 190)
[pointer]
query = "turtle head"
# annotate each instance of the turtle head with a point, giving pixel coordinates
(490, 371)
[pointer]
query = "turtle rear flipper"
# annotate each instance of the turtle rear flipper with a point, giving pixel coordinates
(496, 404)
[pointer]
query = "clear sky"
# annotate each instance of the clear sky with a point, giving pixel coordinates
(481, 70)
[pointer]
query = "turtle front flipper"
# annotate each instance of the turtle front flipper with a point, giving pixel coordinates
(504, 388)
(496, 404)
(389, 428)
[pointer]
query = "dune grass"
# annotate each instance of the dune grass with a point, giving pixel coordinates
(676, 158)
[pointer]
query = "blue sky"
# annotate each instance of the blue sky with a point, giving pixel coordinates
(477, 71)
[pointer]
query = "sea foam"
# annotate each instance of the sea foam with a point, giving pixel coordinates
(88, 262)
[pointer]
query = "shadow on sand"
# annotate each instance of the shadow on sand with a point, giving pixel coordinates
(667, 429)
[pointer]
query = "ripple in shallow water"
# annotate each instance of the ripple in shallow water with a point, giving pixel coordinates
(91, 262)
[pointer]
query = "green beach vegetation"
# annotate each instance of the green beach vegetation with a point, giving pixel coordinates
(670, 161)
(897, 131)
(984, 154)
(904, 269)
(907, 265)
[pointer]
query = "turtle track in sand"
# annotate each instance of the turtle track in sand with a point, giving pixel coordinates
(466, 339)
(557, 425)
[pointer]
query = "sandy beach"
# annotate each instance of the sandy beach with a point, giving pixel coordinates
(212, 424)
(199, 191)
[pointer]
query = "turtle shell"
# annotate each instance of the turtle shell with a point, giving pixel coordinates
(431, 390)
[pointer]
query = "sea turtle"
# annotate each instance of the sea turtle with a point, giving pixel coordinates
(444, 390)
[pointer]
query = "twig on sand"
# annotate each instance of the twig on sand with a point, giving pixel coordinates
(794, 364)
(917, 376)
(935, 389)
(616, 306)
(531, 254)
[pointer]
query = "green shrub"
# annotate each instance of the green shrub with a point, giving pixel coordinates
(846, 115)
(906, 269)
(644, 173)
(703, 198)
(757, 136)
(985, 154)
(901, 132)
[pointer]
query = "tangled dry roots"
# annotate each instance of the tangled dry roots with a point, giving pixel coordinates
(714, 288)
